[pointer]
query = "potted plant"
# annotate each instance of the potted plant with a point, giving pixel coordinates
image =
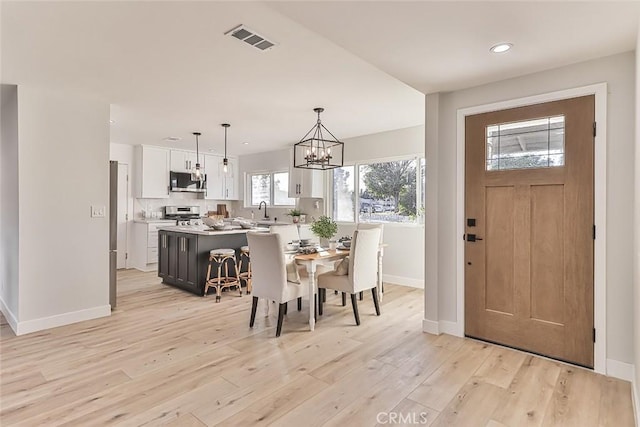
(325, 228)
(295, 215)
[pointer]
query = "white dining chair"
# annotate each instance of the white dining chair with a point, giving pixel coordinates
(288, 233)
(361, 276)
(269, 275)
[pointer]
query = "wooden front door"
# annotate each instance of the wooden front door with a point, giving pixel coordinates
(530, 228)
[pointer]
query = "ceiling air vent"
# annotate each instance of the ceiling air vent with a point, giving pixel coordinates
(250, 37)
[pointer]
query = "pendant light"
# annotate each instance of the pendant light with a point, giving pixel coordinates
(196, 173)
(227, 169)
(319, 151)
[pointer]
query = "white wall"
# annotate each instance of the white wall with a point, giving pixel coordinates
(9, 202)
(63, 171)
(618, 72)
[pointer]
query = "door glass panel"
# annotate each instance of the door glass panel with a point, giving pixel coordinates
(528, 144)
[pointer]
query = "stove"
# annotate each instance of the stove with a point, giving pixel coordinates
(184, 215)
(192, 221)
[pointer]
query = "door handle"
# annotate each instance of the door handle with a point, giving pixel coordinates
(472, 238)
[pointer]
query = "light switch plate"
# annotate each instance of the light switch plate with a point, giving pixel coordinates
(98, 211)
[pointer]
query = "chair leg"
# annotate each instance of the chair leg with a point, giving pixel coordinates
(354, 303)
(286, 307)
(361, 295)
(320, 299)
(374, 292)
(344, 299)
(281, 311)
(324, 295)
(254, 307)
(299, 303)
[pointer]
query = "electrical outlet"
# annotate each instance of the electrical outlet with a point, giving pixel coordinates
(98, 211)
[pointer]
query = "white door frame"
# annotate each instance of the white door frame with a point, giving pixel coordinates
(600, 204)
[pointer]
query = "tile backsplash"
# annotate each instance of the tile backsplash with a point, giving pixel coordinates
(152, 208)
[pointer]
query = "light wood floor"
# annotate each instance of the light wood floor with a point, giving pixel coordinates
(169, 357)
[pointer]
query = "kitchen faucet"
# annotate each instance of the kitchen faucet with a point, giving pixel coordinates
(265, 209)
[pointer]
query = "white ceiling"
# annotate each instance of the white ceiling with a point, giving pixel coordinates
(167, 68)
(444, 46)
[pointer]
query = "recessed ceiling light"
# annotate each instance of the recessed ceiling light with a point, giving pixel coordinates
(211, 149)
(502, 47)
(245, 143)
(172, 138)
(112, 121)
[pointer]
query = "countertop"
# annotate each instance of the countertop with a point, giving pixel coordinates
(206, 231)
(155, 221)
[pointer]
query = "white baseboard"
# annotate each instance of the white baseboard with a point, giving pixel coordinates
(8, 314)
(451, 328)
(430, 327)
(441, 327)
(403, 281)
(620, 370)
(42, 323)
(148, 268)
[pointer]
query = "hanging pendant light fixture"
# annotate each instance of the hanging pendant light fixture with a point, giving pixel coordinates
(227, 168)
(196, 173)
(318, 151)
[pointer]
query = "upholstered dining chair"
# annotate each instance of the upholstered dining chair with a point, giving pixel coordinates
(289, 233)
(361, 274)
(269, 275)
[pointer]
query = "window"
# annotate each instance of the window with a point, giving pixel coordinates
(271, 188)
(260, 189)
(344, 200)
(528, 144)
(389, 191)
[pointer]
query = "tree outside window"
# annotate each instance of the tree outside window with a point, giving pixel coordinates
(388, 191)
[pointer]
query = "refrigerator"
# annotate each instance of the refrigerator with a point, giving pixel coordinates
(113, 230)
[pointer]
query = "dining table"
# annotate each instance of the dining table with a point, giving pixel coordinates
(326, 256)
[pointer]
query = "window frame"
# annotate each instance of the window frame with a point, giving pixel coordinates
(248, 195)
(420, 203)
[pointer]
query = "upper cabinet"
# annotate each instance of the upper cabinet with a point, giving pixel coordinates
(305, 183)
(184, 161)
(219, 186)
(153, 172)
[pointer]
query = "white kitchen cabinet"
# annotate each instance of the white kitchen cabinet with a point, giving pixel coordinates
(220, 187)
(184, 161)
(153, 172)
(305, 183)
(145, 243)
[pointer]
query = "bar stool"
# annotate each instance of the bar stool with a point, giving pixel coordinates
(245, 275)
(222, 257)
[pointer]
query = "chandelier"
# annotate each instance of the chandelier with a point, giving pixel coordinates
(317, 150)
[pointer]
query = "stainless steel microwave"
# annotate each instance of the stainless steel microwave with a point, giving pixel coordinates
(181, 181)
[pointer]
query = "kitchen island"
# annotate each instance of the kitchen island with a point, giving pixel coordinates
(183, 253)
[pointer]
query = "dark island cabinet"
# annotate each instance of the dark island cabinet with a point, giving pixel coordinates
(186, 264)
(183, 258)
(177, 260)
